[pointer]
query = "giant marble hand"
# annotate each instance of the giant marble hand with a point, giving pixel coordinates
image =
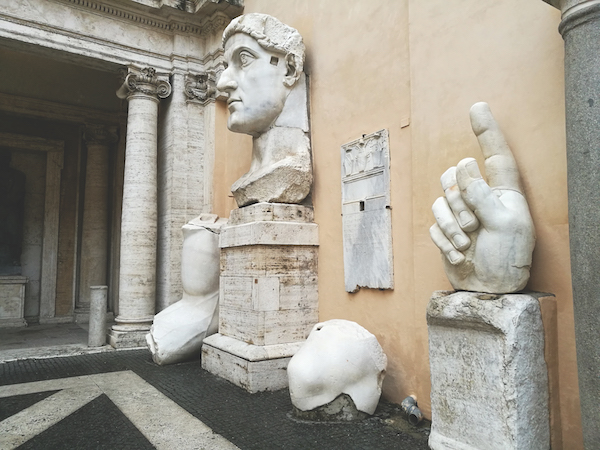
(484, 230)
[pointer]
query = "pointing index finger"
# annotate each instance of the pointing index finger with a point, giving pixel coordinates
(500, 165)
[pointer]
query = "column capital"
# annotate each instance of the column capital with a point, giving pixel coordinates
(200, 86)
(568, 7)
(144, 80)
(100, 134)
(577, 12)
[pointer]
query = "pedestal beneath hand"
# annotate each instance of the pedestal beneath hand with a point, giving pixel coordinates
(489, 381)
(268, 299)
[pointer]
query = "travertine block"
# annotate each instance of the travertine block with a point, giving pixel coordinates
(268, 294)
(127, 339)
(12, 301)
(267, 327)
(271, 212)
(269, 260)
(489, 381)
(252, 367)
(270, 233)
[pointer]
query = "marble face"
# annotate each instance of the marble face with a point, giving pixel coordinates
(254, 80)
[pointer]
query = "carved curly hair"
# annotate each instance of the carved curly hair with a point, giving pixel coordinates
(271, 34)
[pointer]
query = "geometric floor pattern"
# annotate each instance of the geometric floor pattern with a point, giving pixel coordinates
(73, 432)
(122, 400)
(160, 420)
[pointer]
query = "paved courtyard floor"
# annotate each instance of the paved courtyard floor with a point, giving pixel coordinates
(112, 399)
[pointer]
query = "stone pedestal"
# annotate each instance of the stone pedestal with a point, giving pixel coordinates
(98, 301)
(489, 381)
(268, 299)
(12, 301)
(137, 273)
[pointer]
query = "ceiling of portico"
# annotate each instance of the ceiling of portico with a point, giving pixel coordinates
(48, 77)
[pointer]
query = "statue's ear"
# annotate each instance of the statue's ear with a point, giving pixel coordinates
(292, 74)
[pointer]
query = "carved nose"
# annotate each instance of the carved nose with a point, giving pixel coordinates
(225, 83)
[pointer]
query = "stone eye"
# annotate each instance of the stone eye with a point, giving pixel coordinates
(246, 58)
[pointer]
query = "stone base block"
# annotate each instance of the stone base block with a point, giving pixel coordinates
(12, 301)
(271, 212)
(127, 339)
(489, 381)
(254, 368)
(56, 319)
(13, 323)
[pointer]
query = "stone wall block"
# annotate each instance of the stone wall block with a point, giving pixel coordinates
(266, 327)
(268, 261)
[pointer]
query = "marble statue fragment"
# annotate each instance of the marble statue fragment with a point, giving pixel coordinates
(484, 229)
(339, 357)
(267, 99)
(179, 330)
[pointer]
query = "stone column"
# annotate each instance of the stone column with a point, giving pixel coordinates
(94, 235)
(184, 162)
(580, 28)
(137, 278)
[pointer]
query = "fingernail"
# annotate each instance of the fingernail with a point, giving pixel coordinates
(455, 257)
(465, 218)
(473, 169)
(460, 241)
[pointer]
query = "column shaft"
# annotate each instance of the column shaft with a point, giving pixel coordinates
(137, 273)
(137, 281)
(94, 239)
(581, 31)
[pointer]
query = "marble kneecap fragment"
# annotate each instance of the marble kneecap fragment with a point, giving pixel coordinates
(339, 357)
(179, 330)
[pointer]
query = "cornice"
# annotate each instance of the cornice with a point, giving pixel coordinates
(176, 22)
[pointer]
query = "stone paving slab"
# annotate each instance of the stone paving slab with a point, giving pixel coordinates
(250, 421)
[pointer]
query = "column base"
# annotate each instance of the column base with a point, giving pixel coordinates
(82, 314)
(489, 379)
(254, 368)
(13, 323)
(127, 339)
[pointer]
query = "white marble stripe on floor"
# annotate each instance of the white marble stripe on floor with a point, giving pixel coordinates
(45, 386)
(30, 422)
(164, 423)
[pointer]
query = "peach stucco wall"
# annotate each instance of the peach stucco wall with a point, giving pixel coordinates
(415, 68)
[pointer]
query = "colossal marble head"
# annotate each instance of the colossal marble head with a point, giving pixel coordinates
(264, 60)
